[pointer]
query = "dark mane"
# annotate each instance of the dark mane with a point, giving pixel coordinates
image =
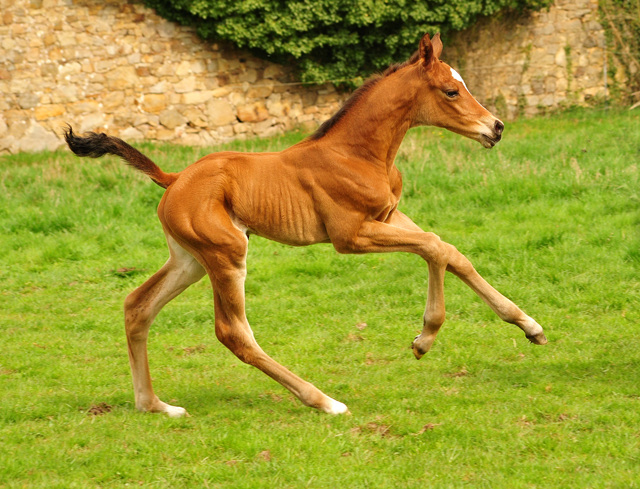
(358, 94)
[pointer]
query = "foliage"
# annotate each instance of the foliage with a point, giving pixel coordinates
(621, 19)
(331, 39)
(549, 216)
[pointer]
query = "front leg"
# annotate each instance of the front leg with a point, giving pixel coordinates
(401, 234)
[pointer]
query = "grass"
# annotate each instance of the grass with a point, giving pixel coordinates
(550, 217)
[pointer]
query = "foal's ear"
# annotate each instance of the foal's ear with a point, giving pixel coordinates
(430, 49)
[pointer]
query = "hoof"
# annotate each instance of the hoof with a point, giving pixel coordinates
(168, 409)
(336, 407)
(538, 339)
(176, 412)
(417, 352)
(421, 345)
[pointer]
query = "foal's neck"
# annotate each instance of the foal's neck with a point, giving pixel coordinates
(374, 128)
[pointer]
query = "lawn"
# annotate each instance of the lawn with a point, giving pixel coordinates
(550, 217)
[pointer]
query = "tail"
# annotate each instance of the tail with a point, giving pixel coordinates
(95, 145)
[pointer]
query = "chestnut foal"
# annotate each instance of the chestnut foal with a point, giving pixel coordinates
(339, 186)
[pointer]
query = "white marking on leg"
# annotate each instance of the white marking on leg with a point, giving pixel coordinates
(175, 411)
(531, 327)
(336, 407)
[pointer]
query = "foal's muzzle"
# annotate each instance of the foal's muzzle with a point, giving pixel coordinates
(489, 141)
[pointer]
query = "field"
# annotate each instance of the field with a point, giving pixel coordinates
(550, 217)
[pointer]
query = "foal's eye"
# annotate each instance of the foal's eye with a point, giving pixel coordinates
(451, 93)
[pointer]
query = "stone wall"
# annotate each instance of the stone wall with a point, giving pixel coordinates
(526, 65)
(118, 67)
(114, 66)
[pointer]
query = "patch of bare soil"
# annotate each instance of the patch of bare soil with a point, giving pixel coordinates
(99, 409)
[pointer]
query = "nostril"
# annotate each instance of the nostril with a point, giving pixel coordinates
(499, 127)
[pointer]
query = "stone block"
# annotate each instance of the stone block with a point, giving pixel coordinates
(224, 133)
(171, 119)
(165, 134)
(208, 137)
(8, 144)
(295, 111)
(167, 69)
(241, 128)
(278, 109)
(104, 65)
(198, 67)
(87, 66)
(70, 68)
(550, 84)
(121, 77)
(131, 134)
(547, 100)
(221, 92)
(66, 38)
(45, 112)
(562, 84)
(190, 139)
(196, 118)
(183, 69)
(113, 101)
(249, 76)
(5, 74)
(255, 112)
(134, 58)
(154, 103)
(143, 71)
(83, 107)
(220, 112)
(91, 122)
(308, 126)
(272, 72)
(185, 85)
(28, 100)
(262, 91)
(36, 138)
(261, 127)
(572, 26)
(199, 97)
(160, 87)
(272, 131)
(166, 29)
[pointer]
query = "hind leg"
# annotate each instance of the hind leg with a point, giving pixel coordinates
(224, 256)
(140, 309)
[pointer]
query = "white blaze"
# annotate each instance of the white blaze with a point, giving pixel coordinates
(457, 76)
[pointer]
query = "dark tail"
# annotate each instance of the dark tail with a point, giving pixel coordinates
(95, 145)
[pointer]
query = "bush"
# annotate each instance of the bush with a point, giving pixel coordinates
(621, 19)
(331, 40)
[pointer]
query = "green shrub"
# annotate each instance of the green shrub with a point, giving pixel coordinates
(621, 20)
(333, 40)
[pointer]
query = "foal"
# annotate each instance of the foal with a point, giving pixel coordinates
(339, 186)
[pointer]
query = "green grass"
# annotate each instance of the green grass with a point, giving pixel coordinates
(549, 217)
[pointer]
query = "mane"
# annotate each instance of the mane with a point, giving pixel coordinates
(358, 94)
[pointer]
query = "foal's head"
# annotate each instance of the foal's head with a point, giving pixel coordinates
(445, 101)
